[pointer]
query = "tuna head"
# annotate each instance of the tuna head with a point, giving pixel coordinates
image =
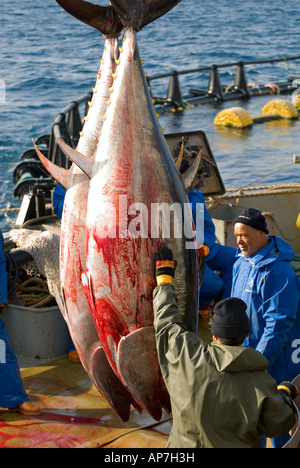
(134, 186)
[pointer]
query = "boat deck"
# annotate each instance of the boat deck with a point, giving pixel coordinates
(75, 415)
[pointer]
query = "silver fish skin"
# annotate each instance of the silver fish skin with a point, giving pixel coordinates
(132, 170)
(72, 299)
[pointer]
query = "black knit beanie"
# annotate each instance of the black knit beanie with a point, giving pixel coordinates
(229, 319)
(253, 218)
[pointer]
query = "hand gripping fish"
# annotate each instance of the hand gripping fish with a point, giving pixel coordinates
(132, 176)
(72, 299)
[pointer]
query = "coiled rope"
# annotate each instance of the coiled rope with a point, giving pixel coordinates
(32, 292)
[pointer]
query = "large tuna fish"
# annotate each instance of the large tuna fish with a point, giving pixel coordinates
(71, 298)
(132, 174)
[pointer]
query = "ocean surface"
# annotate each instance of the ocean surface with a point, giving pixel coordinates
(49, 58)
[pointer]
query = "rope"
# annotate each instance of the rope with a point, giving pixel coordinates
(9, 210)
(216, 200)
(276, 224)
(266, 187)
(267, 175)
(270, 190)
(33, 293)
(38, 220)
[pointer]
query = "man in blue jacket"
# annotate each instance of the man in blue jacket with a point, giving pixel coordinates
(220, 257)
(264, 279)
(12, 392)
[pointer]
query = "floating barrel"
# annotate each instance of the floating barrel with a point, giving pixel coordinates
(234, 117)
(281, 108)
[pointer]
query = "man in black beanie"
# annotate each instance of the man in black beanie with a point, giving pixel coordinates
(230, 324)
(250, 229)
(265, 280)
(221, 394)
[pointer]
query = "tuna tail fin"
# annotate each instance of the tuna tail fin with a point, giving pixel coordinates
(139, 13)
(105, 19)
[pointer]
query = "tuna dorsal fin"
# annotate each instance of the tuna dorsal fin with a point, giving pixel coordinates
(63, 176)
(105, 19)
(189, 176)
(83, 162)
(139, 13)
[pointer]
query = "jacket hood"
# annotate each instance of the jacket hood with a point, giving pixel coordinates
(276, 251)
(237, 358)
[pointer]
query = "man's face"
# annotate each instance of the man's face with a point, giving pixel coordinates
(249, 240)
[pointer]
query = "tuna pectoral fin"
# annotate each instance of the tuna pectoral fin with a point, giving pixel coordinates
(83, 162)
(139, 368)
(139, 13)
(109, 385)
(105, 19)
(62, 176)
(60, 300)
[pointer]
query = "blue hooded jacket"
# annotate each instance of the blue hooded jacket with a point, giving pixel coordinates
(271, 289)
(3, 274)
(196, 197)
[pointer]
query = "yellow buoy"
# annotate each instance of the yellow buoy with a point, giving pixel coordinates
(284, 109)
(298, 221)
(234, 117)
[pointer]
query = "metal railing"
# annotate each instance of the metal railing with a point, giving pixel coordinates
(67, 125)
(215, 91)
